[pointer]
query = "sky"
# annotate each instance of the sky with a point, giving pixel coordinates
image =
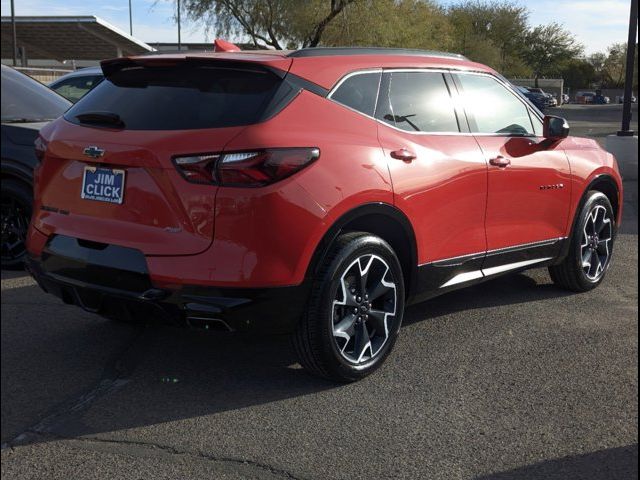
(596, 23)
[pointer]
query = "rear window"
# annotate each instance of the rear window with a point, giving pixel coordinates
(26, 100)
(181, 98)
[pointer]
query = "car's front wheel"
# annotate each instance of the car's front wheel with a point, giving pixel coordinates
(355, 309)
(591, 246)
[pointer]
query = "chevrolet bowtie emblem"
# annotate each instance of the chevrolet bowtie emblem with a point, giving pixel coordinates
(93, 152)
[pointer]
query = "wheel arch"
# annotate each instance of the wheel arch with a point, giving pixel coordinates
(605, 184)
(12, 170)
(380, 219)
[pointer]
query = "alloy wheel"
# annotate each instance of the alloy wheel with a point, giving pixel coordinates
(595, 249)
(363, 308)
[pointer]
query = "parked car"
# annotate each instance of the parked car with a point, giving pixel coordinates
(600, 99)
(317, 192)
(550, 100)
(585, 97)
(537, 99)
(27, 106)
(73, 86)
(633, 99)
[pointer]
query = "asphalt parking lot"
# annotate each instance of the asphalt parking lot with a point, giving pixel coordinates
(512, 379)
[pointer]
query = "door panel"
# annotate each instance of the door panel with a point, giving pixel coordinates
(443, 189)
(529, 198)
(529, 185)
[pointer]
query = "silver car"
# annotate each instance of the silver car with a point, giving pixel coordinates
(73, 86)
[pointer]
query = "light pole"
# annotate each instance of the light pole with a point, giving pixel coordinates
(130, 20)
(628, 83)
(14, 47)
(179, 41)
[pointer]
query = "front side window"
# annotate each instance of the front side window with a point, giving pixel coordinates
(492, 108)
(359, 92)
(418, 102)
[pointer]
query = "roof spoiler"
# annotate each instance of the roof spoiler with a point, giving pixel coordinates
(114, 65)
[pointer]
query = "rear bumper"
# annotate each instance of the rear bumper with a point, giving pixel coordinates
(114, 282)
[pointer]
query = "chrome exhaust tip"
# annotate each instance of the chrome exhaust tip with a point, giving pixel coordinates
(203, 323)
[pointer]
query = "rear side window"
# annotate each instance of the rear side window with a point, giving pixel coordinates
(181, 98)
(359, 91)
(418, 102)
(492, 108)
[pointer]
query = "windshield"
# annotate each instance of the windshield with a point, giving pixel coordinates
(27, 100)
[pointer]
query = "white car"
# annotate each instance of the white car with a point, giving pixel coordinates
(633, 99)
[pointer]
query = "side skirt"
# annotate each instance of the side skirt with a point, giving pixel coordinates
(442, 276)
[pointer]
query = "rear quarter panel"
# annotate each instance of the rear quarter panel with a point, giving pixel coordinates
(267, 236)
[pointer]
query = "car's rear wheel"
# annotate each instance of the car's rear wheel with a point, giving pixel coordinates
(591, 246)
(14, 222)
(355, 310)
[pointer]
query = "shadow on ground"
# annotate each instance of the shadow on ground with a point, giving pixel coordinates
(611, 464)
(191, 373)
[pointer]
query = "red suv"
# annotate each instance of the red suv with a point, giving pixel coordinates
(316, 192)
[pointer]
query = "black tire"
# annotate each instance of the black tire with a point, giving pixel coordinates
(16, 213)
(571, 274)
(317, 347)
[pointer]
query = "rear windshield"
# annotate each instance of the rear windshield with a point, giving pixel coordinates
(26, 100)
(181, 98)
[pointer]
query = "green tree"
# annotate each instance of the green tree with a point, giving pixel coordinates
(547, 48)
(615, 64)
(390, 23)
(269, 23)
(490, 32)
(579, 73)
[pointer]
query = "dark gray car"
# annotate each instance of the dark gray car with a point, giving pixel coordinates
(27, 105)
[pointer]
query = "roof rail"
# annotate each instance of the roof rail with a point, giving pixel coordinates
(329, 51)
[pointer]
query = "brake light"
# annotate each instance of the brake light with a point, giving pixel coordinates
(40, 145)
(245, 169)
(197, 168)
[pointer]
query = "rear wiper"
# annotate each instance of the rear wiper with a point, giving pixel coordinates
(101, 118)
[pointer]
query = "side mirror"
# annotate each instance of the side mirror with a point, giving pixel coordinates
(555, 128)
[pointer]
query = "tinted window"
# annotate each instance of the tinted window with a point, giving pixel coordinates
(181, 98)
(493, 108)
(75, 88)
(419, 102)
(359, 92)
(25, 99)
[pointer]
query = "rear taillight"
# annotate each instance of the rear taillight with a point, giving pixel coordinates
(245, 169)
(40, 145)
(197, 168)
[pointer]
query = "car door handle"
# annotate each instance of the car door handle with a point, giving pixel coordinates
(500, 161)
(403, 154)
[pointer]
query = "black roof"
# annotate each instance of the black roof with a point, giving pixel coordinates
(329, 51)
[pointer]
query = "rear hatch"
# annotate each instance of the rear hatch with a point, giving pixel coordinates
(108, 173)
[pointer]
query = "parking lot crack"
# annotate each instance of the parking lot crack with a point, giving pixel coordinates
(151, 449)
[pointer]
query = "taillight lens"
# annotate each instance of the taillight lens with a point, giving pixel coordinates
(245, 169)
(40, 145)
(197, 168)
